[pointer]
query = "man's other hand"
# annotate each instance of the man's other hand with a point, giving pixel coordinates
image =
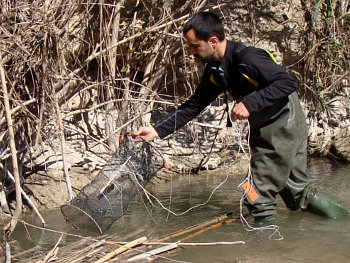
(239, 112)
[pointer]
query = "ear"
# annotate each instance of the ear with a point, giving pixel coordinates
(213, 41)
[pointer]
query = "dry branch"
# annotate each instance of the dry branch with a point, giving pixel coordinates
(86, 252)
(52, 255)
(18, 212)
(154, 252)
(7, 253)
(63, 149)
(122, 249)
(16, 109)
(187, 244)
(26, 197)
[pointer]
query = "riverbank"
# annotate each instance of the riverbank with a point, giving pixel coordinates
(204, 144)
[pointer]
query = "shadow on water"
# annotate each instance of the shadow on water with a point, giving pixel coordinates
(306, 237)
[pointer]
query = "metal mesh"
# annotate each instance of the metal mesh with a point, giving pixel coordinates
(109, 194)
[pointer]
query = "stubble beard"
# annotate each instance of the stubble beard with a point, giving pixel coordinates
(207, 59)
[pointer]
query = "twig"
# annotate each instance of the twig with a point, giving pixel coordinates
(121, 127)
(7, 253)
(71, 113)
(154, 252)
(82, 254)
(20, 254)
(102, 52)
(187, 244)
(63, 146)
(326, 90)
(15, 109)
(210, 227)
(122, 249)
(52, 253)
(191, 229)
(31, 204)
(221, 223)
(11, 226)
(52, 230)
(3, 200)
(88, 135)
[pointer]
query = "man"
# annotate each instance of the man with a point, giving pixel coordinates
(265, 94)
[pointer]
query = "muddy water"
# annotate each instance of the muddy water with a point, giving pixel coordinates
(306, 237)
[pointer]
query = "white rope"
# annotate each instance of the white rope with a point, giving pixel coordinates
(186, 211)
(249, 179)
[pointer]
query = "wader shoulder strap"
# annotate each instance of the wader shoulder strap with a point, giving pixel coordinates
(241, 47)
(236, 52)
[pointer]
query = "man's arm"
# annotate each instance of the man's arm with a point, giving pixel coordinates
(205, 93)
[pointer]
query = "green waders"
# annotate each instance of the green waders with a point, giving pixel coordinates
(278, 164)
(278, 140)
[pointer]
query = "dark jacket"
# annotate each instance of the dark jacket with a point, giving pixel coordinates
(273, 85)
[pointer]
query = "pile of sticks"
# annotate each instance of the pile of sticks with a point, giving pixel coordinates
(106, 249)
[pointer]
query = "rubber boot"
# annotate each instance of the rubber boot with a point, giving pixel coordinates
(265, 220)
(323, 205)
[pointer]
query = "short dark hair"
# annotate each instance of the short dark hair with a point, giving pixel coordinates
(205, 25)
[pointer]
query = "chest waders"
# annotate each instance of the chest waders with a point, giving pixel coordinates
(278, 163)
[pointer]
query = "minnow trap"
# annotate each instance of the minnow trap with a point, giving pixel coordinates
(109, 194)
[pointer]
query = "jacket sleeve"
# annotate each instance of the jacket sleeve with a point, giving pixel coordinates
(205, 93)
(275, 83)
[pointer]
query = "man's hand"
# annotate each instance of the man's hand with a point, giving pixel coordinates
(239, 112)
(144, 133)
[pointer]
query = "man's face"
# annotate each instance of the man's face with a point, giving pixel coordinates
(200, 49)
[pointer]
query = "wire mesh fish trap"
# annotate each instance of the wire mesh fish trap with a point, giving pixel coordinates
(109, 194)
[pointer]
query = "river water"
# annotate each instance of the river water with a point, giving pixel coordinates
(303, 237)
